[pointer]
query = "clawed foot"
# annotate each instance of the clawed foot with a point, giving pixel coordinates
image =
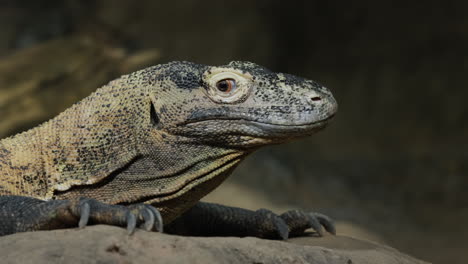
(21, 214)
(291, 223)
(210, 219)
(144, 216)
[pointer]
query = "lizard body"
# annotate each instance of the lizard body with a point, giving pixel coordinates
(166, 136)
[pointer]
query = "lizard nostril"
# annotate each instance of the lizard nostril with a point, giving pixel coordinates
(315, 98)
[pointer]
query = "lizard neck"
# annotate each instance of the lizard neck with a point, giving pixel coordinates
(80, 146)
(21, 165)
(93, 138)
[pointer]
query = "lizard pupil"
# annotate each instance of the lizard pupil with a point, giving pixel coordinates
(226, 85)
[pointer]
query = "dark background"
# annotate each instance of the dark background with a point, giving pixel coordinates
(393, 163)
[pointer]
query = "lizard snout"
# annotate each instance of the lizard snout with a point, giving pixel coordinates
(324, 101)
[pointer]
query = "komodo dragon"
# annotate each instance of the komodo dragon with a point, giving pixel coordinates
(148, 146)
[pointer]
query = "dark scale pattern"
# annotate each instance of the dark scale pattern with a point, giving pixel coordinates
(163, 135)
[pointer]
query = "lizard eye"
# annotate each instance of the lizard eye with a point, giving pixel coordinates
(226, 85)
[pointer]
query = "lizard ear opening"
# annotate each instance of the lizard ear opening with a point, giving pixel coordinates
(154, 118)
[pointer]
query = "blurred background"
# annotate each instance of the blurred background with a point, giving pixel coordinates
(393, 166)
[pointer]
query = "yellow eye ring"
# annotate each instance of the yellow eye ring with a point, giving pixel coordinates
(226, 85)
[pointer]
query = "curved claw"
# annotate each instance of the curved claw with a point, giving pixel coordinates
(327, 222)
(158, 223)
(315, 224)
(149, 219)
(142, 215)
(299, 221)
(131, 223)
(85, 210)
(282, 227)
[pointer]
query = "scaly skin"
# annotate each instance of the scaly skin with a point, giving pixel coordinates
(164, 136)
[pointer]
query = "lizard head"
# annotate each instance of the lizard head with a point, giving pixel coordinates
(240, 104)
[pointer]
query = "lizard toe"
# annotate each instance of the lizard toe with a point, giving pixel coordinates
(85, 209)
(91, 212)
(326, 222)
(299, 221)
(270, 225)
(315, 224)
(148, 217)
(131, 223)
(158, 223)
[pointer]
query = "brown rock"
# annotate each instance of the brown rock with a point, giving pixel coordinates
(106, 244)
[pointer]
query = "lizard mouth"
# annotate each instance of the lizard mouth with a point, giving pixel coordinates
(243, 131)
(246, 119)
(317, 123)
(261, 124)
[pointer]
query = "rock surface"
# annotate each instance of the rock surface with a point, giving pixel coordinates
(106, 244)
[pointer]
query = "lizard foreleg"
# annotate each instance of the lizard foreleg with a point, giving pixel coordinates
(20, 214)
(208, 219)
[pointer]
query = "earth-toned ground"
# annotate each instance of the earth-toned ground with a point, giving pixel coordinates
(105, 244)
